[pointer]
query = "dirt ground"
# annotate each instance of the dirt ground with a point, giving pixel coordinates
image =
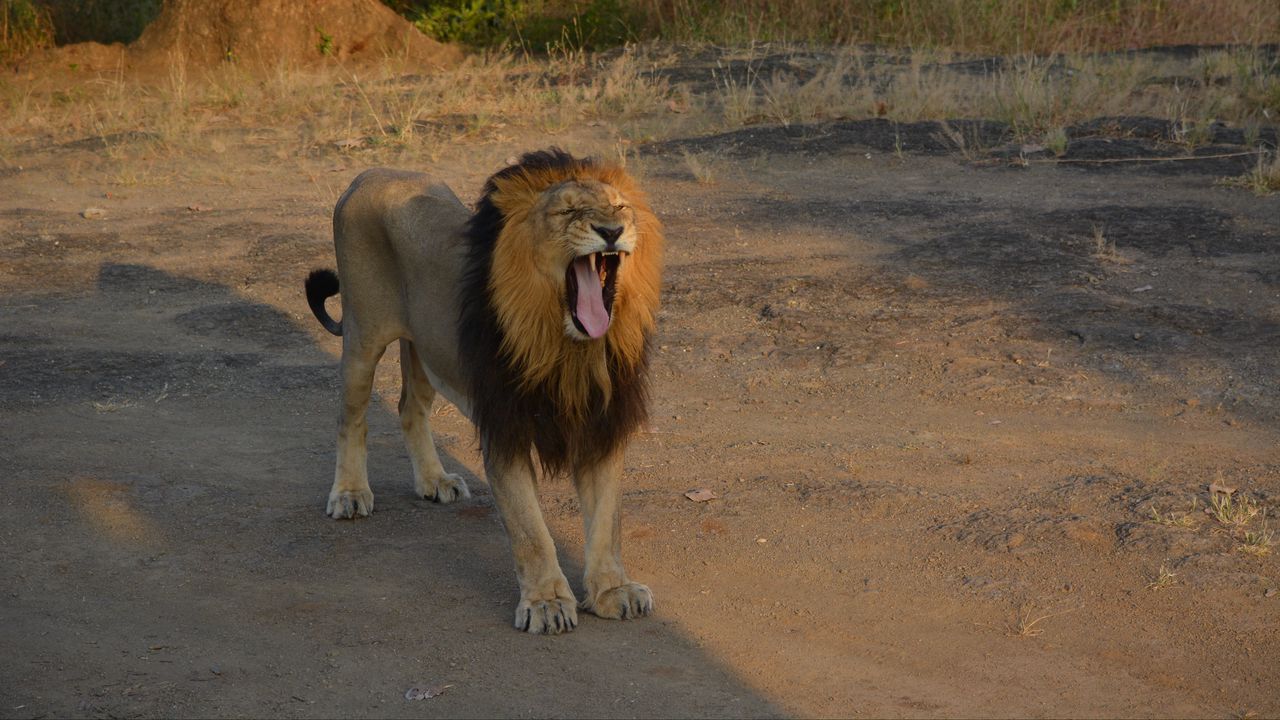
(938, 397)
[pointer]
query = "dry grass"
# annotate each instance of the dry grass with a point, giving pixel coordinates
(1235, 514)
(1165, 578)
(1186, 519)
(1028, 617)
(700, 166)
(1003, 26)
(1263, 179)
(1258, 542)
(381, 111)
(1037, 96)
(1231, 512)
(388, 112)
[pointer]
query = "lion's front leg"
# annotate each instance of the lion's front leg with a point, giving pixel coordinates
(547, 605)
(610, 594)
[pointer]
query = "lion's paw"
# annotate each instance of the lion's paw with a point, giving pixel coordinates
(631, 600)
(547, 617)
(449, 488)
(350, 503)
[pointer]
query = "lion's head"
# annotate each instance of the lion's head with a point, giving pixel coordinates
(561, 295)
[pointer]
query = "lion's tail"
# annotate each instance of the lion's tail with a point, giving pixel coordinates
(321, 285)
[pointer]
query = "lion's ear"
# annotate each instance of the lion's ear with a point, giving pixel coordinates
(514, 196)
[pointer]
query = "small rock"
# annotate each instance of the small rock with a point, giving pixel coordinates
(701, 495)
(1271, 592)
(93, 213)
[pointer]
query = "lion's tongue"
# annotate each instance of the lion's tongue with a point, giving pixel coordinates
(590, 310)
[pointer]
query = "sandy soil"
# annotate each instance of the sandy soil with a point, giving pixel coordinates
(936, 412)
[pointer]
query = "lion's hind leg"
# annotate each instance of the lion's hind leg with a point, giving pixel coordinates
(351, 495)
(430, 480)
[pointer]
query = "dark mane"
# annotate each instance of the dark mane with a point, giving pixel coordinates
(512, 421)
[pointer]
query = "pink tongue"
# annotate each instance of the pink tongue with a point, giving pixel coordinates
(590, 310)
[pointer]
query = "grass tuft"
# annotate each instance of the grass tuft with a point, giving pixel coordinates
(1175, 519)
(1028, 618)
(1165, 578)
(1232, 512)
(1263, 179)
(1258, 542)
(700, 167)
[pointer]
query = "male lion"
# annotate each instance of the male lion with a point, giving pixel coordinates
(533, 316)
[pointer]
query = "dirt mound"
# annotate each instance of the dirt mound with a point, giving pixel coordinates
(258, 33)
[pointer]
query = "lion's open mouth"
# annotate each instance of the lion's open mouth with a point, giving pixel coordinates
(591, 281)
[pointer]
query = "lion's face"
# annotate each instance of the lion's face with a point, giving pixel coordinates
(575, 273)
(588, 234)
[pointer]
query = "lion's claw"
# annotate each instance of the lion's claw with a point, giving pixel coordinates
(547, 617)
(449, 488)
(631, 600)
(349, 504)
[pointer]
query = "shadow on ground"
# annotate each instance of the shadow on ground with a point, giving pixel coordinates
(170, 447)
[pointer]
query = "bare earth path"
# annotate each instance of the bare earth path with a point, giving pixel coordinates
(937, 414)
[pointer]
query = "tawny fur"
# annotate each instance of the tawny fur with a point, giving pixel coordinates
(478, 303)
(528, 304)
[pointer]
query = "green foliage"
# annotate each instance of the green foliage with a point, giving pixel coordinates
(473, 22)
(24, 27)
(325, 45)
(104, 21)
(531, 24)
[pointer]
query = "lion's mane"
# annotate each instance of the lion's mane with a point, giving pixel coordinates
(530, 386)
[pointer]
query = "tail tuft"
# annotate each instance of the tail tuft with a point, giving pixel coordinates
(321, 285)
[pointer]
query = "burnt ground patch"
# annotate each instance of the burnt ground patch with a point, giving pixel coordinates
(1118, 308)
(923, 138)
(1156, 229)
(1058, 288)
(1113, 144)
(991, 255)
(846, 213)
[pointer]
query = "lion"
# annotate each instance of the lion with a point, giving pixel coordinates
(533, 315)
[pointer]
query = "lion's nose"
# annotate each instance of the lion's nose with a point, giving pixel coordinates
(610, 235)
